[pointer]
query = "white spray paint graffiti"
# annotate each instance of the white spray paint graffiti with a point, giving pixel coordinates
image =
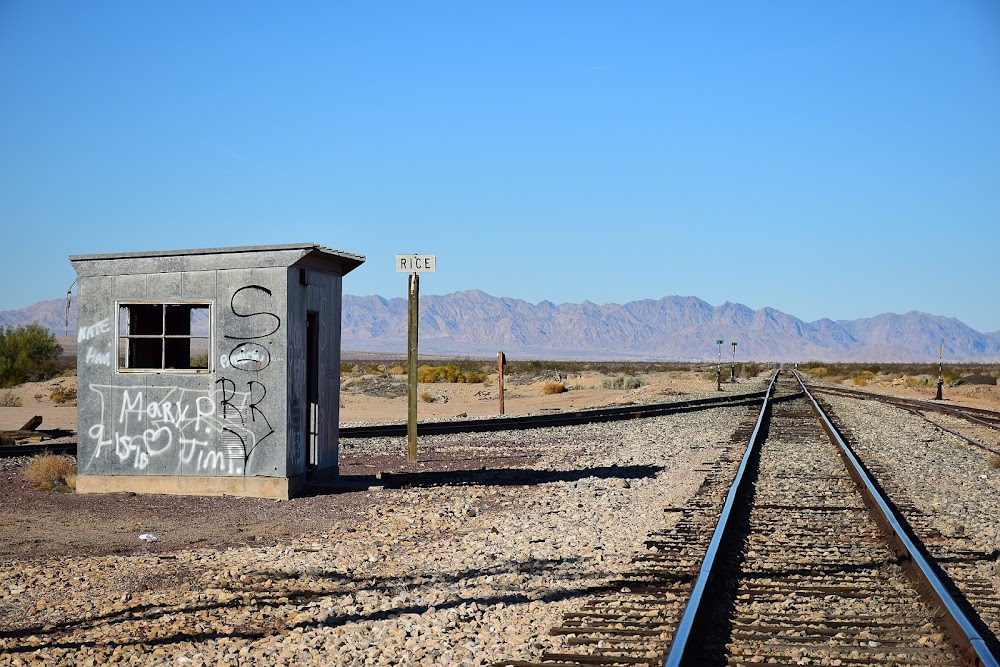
(94, 330)
(198, 431)
(95, 355)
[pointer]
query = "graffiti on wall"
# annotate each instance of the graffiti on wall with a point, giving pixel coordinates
(98, 345)
(197, 431)
(212, 430)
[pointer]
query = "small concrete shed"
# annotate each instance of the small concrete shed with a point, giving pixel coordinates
(209, 371)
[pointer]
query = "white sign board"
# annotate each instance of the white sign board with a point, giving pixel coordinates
(416, 263)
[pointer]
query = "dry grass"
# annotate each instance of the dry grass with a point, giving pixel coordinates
(426, 397)
(9, 400)
(553, 388)
(62, 395)
(51, 472)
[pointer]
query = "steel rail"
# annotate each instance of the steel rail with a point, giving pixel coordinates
(10, 451)
(484, 425)
(963, 629)
(545, 421)
(981, 416)
(917, 413)
(681, 643)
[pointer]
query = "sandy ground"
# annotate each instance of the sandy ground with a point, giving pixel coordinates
(37, 524)
(361, 404)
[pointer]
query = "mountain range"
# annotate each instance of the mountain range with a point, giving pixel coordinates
(682, 328)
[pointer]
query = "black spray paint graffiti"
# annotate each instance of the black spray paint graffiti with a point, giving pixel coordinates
(252, 357)
(247, 411)
(254, 316)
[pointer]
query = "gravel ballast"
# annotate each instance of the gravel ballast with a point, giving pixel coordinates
(466, 568)
(948, 489)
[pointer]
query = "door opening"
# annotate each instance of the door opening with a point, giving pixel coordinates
(312, 391)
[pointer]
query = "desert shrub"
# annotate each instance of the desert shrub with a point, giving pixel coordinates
(426, 397)
(448, 373)
(633, 382)
(398, 369)
(862, 378)
(63, 394)
(613, 383)
(9, 400)
(553, 388)
(952, 374)
(995, 461)
(627, 382)
(911, 381)
(51, 472)
(27, 353)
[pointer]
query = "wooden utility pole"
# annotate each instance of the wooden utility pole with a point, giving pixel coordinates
(501, 362)
(413, 264)
(411, 367)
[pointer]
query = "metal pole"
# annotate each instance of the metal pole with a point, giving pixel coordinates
(718, 368)
(500, 364)
(940, 383)
(732, 375)
(411, 368)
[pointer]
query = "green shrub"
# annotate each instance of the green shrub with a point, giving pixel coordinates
(28, 353)
(625, 382)
(613, 383)
(634, 382)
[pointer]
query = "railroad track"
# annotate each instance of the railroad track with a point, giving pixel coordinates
(788, 555)
(978, 416)
(10, 451)
(550, 420)
(483, 425)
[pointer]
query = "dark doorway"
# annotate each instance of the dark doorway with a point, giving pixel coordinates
(312, 390)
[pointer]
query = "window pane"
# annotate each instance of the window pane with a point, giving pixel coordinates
(199, 353)
(145, 353)
(143, 319)
(158, 336)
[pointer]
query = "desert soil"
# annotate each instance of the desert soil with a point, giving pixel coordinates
(482, 518)
(39, 523)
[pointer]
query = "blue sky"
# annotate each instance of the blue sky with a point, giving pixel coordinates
(837, 159)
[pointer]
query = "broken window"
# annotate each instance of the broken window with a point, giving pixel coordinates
(164, 336)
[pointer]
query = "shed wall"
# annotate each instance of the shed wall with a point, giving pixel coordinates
(230, 421)
(314, 432)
